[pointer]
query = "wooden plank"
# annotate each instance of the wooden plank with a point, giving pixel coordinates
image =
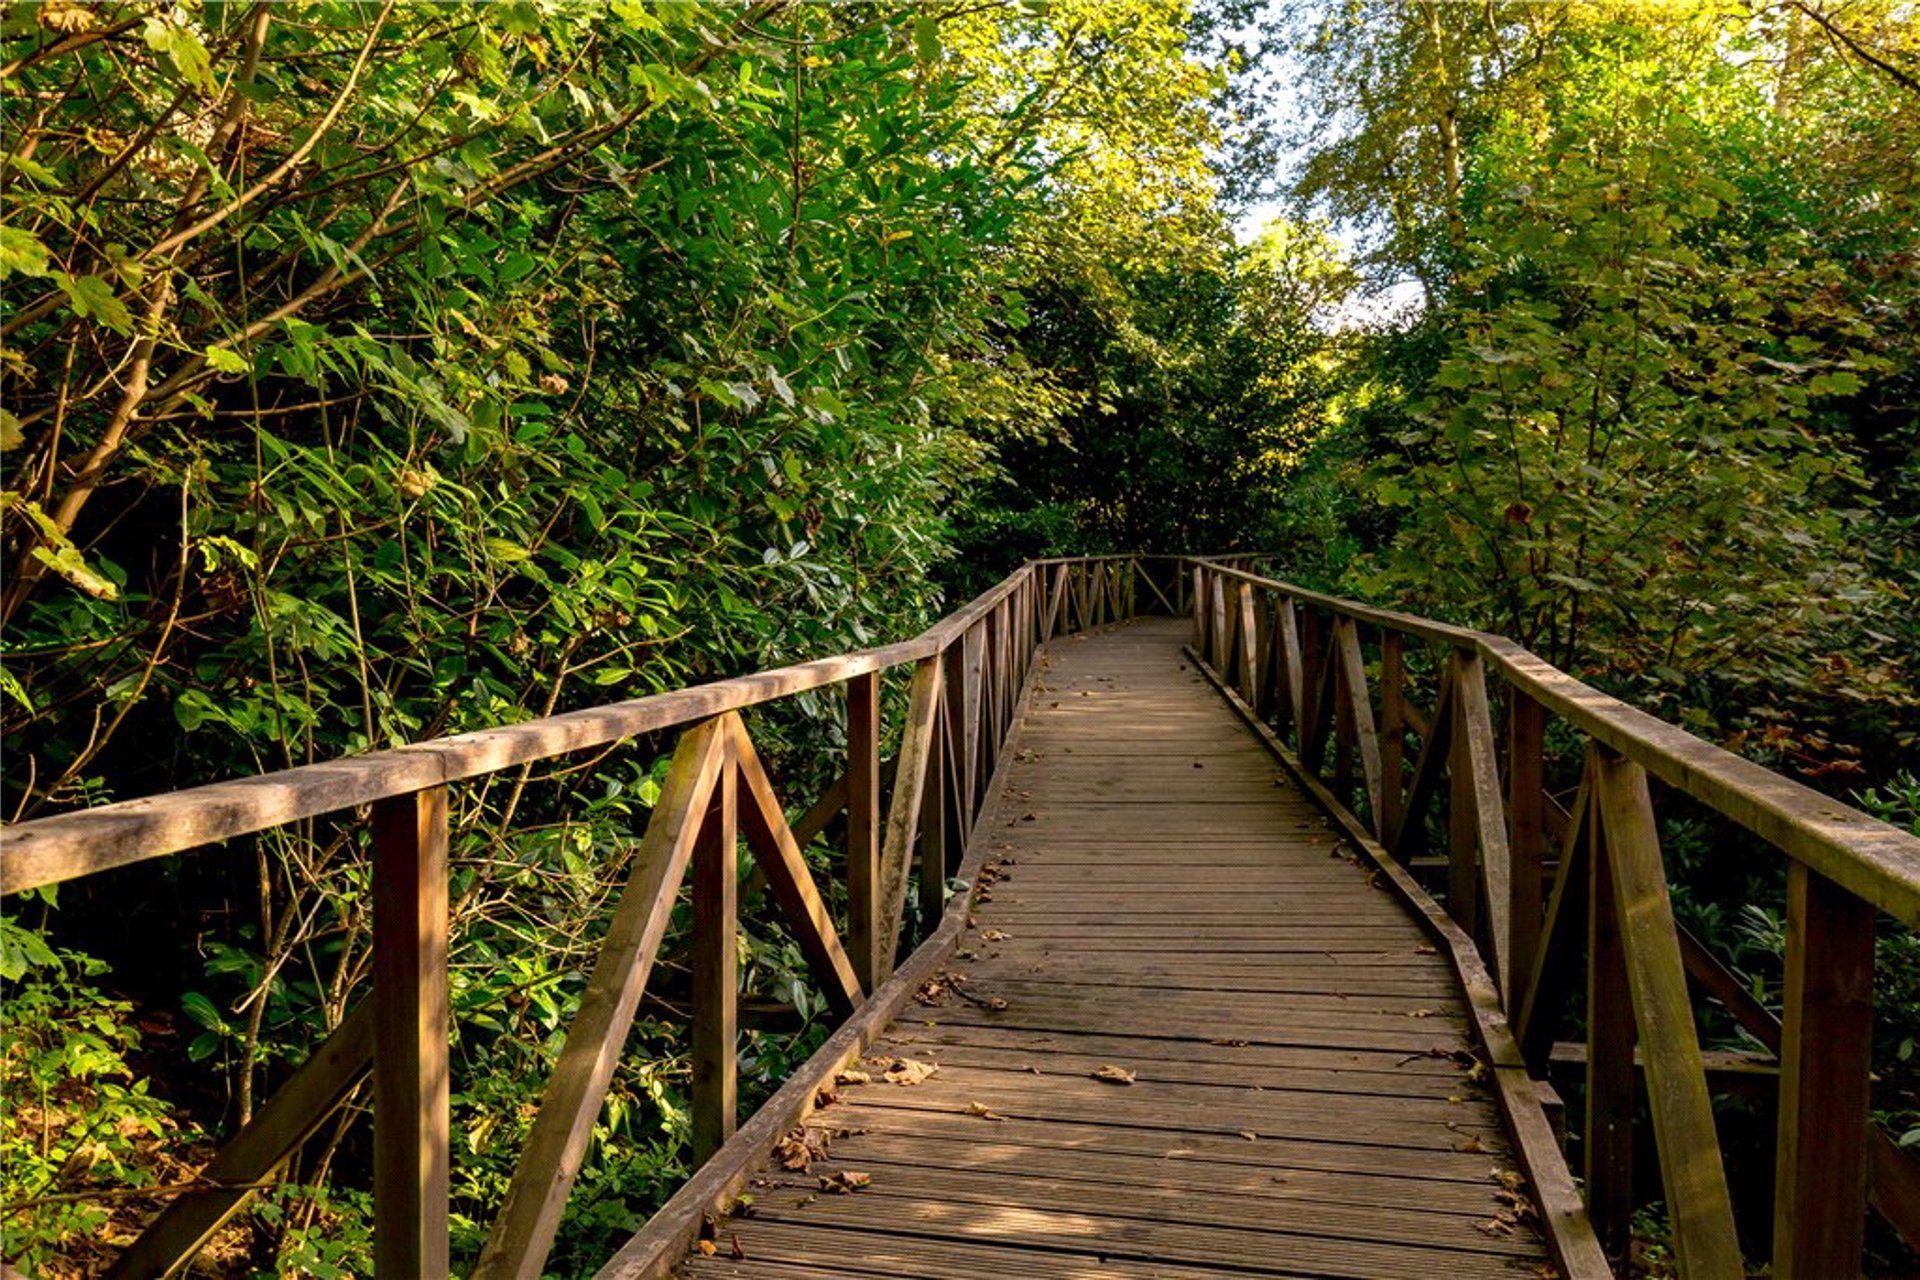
(1704, 1239)
(1894, 1186)
(1570, 1231)
(917, 744)
(1526, 841)
(63, 847)
(972, 673)
(1293, 668)
(657, 1246)
(863, 824)
(1481, 792)
(1872, 859)
(1249, 645)
(1353, 672)
(1393, 737)
(283, 1123)
(1607, 1139)
(1200, 598)
(1820, 1151)
(784, 863)
(933, 837)
(523, 1232)
(411, 1111)
(715, 1040)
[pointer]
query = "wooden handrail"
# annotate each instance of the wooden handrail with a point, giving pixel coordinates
(1872, 859)
(1270, 654)
(971, 673)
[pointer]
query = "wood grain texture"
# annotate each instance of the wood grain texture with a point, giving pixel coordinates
(1820, 1164)
(411, 1021)
(1330, 1083)
(523, 1233)
(1691, 1170)
(715, 1045)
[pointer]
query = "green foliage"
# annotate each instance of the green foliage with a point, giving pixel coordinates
(77, 1119)
(1649, 413)
(377, 373)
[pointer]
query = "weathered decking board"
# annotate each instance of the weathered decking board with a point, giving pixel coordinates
(1303, 1104)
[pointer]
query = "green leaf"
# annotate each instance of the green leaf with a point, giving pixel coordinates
(93, 298)
(71, 565)
(926, 39)
(227, 361)
(22, 252)
(184, 50)
(11, 436)
(21, 949)
(202, 1011)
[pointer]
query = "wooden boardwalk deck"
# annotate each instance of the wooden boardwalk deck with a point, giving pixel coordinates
(1304, 1102)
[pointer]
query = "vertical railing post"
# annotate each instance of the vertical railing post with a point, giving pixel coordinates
(1249, 644)
(1463, 828)
(1610, 1037)
(863, 824)
(1393, 735)
(411, 1115)
(1199, 603)
(1526, 838)
(716, 978)
(935, 857)
(1820, 1152)
(1221, 639)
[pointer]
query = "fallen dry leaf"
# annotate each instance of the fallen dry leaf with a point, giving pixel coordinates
(706, 1248)
(801, 1147)
(1250, 1135)
(845, 1181)
(983, 1111)
(734, 1250)
(1113, 1075)
(1420, 1013)
(1496, 1226)
(996, 935)
(1231, 1044)
(906, 1071)
(853, 1077)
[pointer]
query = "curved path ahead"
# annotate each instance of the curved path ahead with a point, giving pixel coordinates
(1303, 1098)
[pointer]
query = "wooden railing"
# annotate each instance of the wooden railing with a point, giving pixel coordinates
(1530, 885)
(968, 676)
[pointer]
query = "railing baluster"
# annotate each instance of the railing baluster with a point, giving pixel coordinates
(1393, 736)
(1463, 844)
(1359, 715)
(1478, 789)
(716, 977)
(1820, 1182)
(1200, 596)
(863, 823)
(1608, 1141)
(1695, 1182)
(1287, 623)
(523, 1233)
(1526, 837)
(918, 743)
(411, 1114)
(935, 861)
(1249, 643)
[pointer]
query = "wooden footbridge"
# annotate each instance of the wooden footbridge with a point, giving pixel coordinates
(1254, 926)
